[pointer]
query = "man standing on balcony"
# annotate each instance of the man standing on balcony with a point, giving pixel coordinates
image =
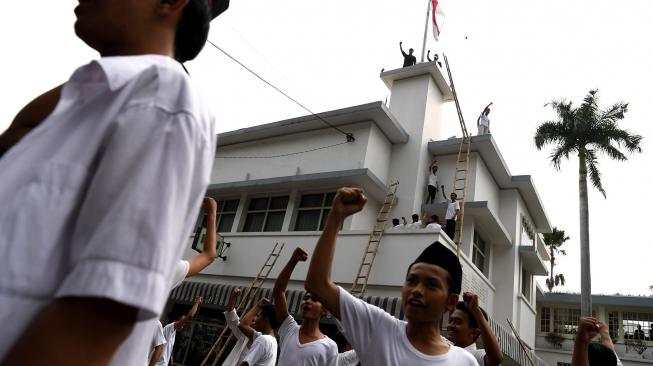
(409, 59)
(483, 121)
(466, 324)
(453, 209)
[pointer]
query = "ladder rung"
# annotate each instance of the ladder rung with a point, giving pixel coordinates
(371, 251)
(366, 264)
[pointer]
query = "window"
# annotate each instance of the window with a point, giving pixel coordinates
(313, 211)
(526, 284)
(565, 320)
(226, 214)
(265, 214)
(545, 319)
(527, 232)
(613, 325)
(637, 325)
(479, 253)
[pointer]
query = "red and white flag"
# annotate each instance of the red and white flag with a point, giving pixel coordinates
(437, 18)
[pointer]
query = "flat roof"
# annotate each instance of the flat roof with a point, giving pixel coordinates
(375, 112)
(489, 152)
(390, 76)
(610, 300)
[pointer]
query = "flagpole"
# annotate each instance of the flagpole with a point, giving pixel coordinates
(426, 29)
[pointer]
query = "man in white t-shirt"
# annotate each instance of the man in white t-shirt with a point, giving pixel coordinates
(104, 187)
(397, 225)
(170, 333)
(416, 224)
(469, 322)
(263, 320)
(431, 287)
(243, 343)
(483, 122)
(434, 224)
(453, 209)
(157, 345)
(305, 344)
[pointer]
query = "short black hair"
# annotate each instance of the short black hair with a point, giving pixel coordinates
(472, 319)
(192, 30)
(415, 216)
(395, 221)
(435, 218)
(441, 256)
(270, 313)
(600, 355)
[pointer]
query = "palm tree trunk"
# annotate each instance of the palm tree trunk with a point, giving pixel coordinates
(585, 276)
(550, 285)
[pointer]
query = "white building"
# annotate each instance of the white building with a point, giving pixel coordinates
(629, 320)
(272, 188)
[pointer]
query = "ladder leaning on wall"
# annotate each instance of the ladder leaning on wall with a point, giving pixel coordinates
(462, 165)
(246, 302)
(359, 285)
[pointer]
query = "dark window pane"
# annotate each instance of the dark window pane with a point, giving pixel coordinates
(325, 213)
(278, 203)
(258, 204)
(226, 222)
(479, 261)
(329, 199)
(311, 200)
(307, 220)
(254, 222)
(274, 221)
(219, 206)
(230, 206)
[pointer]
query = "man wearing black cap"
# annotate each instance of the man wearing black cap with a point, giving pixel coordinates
(102, 182)
(431, 288)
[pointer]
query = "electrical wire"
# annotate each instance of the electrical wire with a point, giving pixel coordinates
(281, 155)
(349, 136)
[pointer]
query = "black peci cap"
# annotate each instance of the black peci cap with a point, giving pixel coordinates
(218, 7)
(439, 255)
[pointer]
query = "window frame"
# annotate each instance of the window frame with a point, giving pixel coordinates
(266, 212)
(323, 209)
(485, 253)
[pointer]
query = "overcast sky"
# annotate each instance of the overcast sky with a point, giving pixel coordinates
(517, 54)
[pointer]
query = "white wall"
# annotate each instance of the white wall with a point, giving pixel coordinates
(377, 157)
(342, 157)
(526, 326)
(483, 187)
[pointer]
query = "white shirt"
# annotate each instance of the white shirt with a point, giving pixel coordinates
(239, 351)
(415, 225)
(479, 354)
(99, 199)
(348, 358)
(316, 353)
(181, 270)
(399, 227)
(158, 339)
(452, 207)
(380, 339)
(433, 226)
(484, 120)
(433, 180)
(169, 333)
(263, 351)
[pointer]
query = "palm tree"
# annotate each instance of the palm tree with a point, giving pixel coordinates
(586, 131)
(554, 241)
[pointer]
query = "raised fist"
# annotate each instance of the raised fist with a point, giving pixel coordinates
(300, 255)
(209, 205)
(236, 291)
(348, 201)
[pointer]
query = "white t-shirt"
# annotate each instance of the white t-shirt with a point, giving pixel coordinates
(415, 225)
(181, 270)
(348, 358)
(169, 333)
(380, 339)
(239, 351)
(317, 353)
(433, 226)
(433, 180)
(484, 120)
(399, 227)
(452, 207)
(158, 339)
(109, 185)
(479, 354)
(263, 351)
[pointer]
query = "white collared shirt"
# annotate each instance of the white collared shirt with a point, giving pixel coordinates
(98, 200)
(479, 354)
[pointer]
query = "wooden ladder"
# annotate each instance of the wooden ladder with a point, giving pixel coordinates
(462, 165)
(359, 285)
(246, 302)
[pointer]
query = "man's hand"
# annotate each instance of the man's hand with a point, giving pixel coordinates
(300, 255)
(263, 301)
(400, 42)
(347, 202)
(588, 328)
(471, 300)
(236, 292)
(199, 300)
(209, 206)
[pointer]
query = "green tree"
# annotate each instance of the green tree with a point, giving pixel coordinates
(554, 241)
(586, 131)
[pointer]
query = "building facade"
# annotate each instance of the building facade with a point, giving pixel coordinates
(275, 183)
(629, 320)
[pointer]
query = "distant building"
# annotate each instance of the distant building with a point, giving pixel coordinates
(557, 321)
(271, 188)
